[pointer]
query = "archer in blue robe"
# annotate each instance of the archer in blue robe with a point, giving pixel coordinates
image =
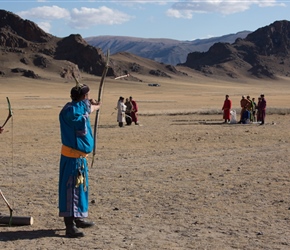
(76, 134)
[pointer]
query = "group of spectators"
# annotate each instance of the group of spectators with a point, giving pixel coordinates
(127, 111)
(250, 110)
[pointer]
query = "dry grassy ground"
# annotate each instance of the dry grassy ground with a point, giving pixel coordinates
(181, 180)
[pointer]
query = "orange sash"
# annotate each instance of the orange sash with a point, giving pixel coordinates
(72, 153)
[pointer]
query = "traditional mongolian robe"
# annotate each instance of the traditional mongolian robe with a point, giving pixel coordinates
(134, 111)
(129, 107)
(250, 108)
(259, 111)
(227, 108)
(121, 111)
(245, 103)
(77, 140)
(262, 110)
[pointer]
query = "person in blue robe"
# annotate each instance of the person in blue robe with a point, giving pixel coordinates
(77, 142)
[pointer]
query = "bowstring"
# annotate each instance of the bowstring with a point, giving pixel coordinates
(12, 154)
(12, 164)
(12, 168)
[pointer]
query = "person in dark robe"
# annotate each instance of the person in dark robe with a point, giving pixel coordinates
(128, 111)
(227, 109)
(134, 110)
(254, 110)
(258, 109)
(262, 108)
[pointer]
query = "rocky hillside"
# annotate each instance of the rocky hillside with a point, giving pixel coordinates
(24, 45)
(166, 51)
(263, 53)
(24, 40)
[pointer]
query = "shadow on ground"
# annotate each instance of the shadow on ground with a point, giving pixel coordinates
(29, 235)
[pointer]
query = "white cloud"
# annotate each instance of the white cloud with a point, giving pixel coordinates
(179, 14)
(186, 8)
(86, 17)
(271, 3)
(45, 13)
(46, 26)
(82, 18)
(140, 1)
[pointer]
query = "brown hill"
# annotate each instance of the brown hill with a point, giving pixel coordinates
(30, 50)
(27, 50)
(263, 53)
(23, 42)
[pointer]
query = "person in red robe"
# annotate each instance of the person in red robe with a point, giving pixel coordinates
(134, 110)
(262, 109)
(227, 109)
(259, 109)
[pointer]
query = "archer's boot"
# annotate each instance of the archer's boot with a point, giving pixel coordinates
(71, 230)
(83, 223)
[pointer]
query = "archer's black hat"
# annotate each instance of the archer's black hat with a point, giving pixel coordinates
(78, 91)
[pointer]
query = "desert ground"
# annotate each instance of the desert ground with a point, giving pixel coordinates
(180, 180)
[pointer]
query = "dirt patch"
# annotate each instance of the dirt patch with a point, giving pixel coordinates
(180, 180)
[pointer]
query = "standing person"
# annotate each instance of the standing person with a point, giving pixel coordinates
(128, 111)
(1, 130)
(134, 110)
(129, 106)
(121, 111)
(250, 108)
(254, 109)
(244, 105)
(259, 110)
(77, 142)
(227, 108)
(262, 107)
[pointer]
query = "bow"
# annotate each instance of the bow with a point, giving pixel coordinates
(8, 205)
(99, 100)
(9, 113)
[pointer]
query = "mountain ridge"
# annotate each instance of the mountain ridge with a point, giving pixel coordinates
(263, 53)
(164, 50)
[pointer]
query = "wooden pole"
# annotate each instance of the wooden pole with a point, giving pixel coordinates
(16, 220)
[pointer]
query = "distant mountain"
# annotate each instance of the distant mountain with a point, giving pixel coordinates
(24, 47)
(263, 53)
(162, 50)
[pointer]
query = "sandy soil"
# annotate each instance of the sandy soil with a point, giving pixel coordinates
(180, 180)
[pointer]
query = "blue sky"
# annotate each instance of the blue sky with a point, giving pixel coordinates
(180, 20)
